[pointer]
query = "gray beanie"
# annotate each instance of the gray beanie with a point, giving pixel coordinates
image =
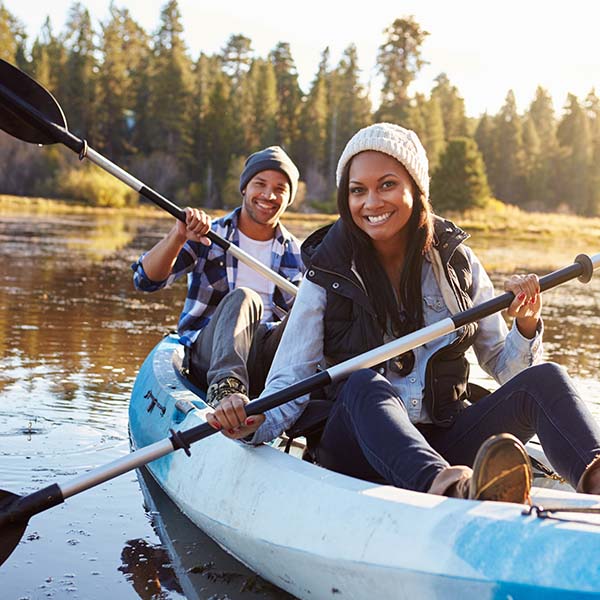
(400, 143)
(271, 158)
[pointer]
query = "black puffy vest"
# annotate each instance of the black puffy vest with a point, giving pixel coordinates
(350, 323)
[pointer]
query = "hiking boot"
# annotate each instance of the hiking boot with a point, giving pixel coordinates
(223, 388)
(589, 482)
(501, 471)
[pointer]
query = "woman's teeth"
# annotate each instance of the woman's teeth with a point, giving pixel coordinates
(378, 218)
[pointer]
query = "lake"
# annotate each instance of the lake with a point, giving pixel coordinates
(73, 333)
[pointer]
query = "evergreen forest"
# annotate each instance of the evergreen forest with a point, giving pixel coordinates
(185, 124)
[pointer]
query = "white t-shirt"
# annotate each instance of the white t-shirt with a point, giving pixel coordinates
(248, 277)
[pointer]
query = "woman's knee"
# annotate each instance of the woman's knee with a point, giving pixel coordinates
(365, 386)
(550, 376)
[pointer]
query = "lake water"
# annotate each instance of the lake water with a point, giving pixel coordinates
(73, 333)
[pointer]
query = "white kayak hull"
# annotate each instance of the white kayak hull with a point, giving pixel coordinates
(319, 534)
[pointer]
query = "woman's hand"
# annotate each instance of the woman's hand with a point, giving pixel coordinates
(230, 418)
(197, 225)
(526, 307)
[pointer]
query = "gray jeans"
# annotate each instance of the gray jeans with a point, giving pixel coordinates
(235, 343)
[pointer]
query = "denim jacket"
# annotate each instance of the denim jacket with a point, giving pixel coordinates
(500, 352)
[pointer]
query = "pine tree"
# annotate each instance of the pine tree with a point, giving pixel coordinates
(452, 107)
(48, 57)
(265, 102)
(349, 107)
(542, 178)
(460, 181)
(289, 96)
(574, 137)
(485, 139)
(124, 46)
(592, 109)
(171, 99)
(425, 117)
(12, 39)
(311, 153)
(399, 60)
(237, 58)
(220, 133)
(508, 171)
(77, 86)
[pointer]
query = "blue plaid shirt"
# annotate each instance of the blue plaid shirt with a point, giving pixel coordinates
(212, 272)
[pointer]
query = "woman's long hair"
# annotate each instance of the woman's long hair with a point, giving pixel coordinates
(379, 288)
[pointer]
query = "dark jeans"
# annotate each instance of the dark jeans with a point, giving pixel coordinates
(369, 435)
(235, 343)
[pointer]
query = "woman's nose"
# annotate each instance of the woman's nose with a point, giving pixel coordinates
(373, 199)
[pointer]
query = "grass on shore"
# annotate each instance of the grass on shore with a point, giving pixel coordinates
(496, 220)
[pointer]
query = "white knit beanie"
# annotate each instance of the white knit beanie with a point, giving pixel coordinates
(402, 144)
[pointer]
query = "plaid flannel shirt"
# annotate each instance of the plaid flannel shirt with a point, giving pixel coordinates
(212, 272)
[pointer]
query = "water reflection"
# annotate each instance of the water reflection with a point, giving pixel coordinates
(147, 567)
(73, 333)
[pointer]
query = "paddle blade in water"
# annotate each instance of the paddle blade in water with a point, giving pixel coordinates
(10, 532)
(14, 117)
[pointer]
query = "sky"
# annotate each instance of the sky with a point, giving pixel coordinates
(485, 47)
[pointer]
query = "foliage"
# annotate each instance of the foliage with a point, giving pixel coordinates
(460, 181)
(181, 125)
(91, 185)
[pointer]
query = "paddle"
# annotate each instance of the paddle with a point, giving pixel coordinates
(30, 113)
(15, 510)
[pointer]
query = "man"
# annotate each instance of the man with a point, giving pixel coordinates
(231, 319)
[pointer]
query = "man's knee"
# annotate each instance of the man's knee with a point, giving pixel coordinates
(245, 300)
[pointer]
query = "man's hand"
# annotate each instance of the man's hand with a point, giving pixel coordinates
(197, 225)
(230, 418)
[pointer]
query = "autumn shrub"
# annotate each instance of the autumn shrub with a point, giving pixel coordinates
(90, 185)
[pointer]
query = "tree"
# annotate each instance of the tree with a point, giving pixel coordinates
(460, 181)
(592, 109)
(312, 149)
(452, 107)
(349, 107)
(237, 58)
(265, 104)
(573, 135)
(125, 48)
(542, 183)
(507, 174)
(289, 96)
(171, 100)
(77, 88)
(12, 38)
(399, 60)
(220, 132)
(425, 117)
(48, 57)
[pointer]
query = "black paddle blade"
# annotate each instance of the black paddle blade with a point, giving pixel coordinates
(13, 120)
(10, 532)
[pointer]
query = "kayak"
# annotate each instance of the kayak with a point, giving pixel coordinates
(320, 534)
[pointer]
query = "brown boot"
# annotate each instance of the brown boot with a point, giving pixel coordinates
(501, 471)
(589, 482)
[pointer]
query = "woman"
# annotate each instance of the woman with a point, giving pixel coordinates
(388, 266)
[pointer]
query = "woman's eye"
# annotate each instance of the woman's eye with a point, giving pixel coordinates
(387, 184)
(356, 190)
